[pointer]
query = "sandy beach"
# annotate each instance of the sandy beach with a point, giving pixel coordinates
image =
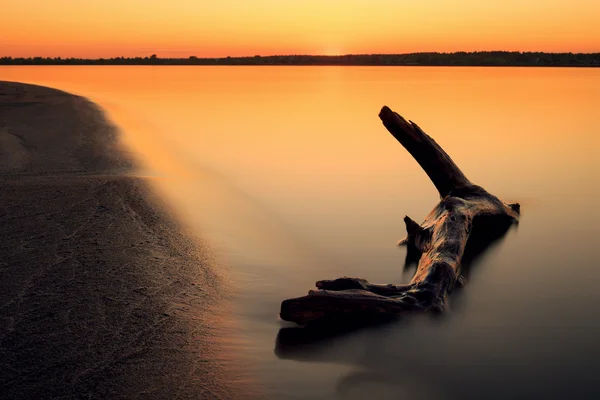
(102, 293)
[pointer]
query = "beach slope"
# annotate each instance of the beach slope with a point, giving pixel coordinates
(102, 293)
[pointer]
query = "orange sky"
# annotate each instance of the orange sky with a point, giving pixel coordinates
(180, 28)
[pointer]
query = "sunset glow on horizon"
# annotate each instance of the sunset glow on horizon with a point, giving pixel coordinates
(182, 28)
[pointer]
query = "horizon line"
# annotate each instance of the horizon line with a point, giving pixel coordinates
(303, 55)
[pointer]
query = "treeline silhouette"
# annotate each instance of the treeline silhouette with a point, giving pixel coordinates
(482, 58)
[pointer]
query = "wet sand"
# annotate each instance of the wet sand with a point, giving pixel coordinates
(102, 293)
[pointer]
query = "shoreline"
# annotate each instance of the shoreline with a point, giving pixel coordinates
(102, 292)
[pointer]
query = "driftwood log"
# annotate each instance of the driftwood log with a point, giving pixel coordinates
(440, 241)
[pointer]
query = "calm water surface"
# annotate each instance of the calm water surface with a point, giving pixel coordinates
(291, 176)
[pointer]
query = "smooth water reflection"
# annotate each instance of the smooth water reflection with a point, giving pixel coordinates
(291, 175)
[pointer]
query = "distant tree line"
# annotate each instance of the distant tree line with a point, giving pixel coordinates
(482, 58)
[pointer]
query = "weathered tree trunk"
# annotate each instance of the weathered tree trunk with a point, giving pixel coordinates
(440, 239)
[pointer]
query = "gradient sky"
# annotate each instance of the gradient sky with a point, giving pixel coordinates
(176, 28)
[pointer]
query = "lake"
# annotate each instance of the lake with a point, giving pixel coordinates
(290, 176)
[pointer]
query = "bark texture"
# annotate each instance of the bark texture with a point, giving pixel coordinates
(440, 239)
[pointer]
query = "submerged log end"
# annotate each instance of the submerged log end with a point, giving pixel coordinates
(351, 304)
(294, 310)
